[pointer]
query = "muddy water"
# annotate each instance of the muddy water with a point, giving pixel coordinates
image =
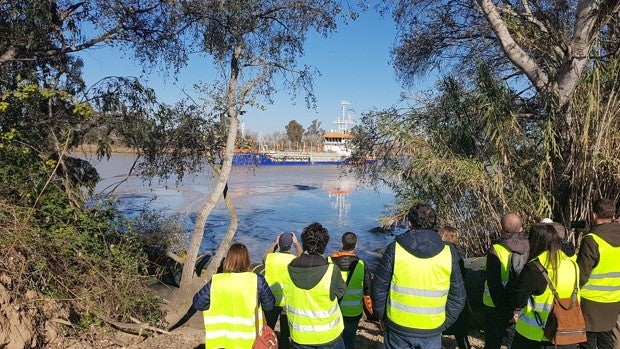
(269, 200)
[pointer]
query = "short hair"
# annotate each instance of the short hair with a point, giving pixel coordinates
(237, 259)
(314, 238)
(604, 208)
(422, 217)
(449, 234)
(349, 240)
(511, 223)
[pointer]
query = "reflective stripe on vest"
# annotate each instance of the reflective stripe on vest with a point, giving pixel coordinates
(503, 253)
(534, 316)
(313, 317)
(419, 289)
(228, 326)
(351, 302)
(275, 267)
(603, 286)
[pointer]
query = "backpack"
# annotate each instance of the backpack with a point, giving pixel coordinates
(565, 324)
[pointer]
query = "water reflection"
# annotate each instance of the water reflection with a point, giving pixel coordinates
(268, 200)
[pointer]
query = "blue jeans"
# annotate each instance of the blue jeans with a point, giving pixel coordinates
(350, 331)
(335, 344)
(395, 341)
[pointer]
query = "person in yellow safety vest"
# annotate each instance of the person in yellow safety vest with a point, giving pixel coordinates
(531, 293)
(312, 287)
(275, 267)
(599, 260)
(417, 289)
(229, 301)
(505, 260)
(356, 276)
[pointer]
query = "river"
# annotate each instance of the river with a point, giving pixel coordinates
(268, 200)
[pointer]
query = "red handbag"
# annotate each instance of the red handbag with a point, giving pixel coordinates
(265, 339)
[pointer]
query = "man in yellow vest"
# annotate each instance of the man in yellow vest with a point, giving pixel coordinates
(505, 260)
(418, 289)
(312, 288)
(599, 263)
(275, 268)
(356, 276)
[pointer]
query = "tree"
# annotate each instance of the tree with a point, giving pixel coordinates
(314, 133)
(294, 131)
(538, 53)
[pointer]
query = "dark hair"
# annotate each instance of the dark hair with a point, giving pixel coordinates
(604, 208)
(237, 259)
(422, 217)
(349, 240)
(544, 237)
(314, 238)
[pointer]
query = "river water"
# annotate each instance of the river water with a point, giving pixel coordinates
(268, 200)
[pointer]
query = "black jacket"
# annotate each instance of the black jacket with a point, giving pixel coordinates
(347, 261)
(422, 244)
(202, 299)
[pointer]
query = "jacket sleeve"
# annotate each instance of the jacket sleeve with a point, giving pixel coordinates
(587, 259)
(381, 281)
(202, 299)
(456, 294)
(494, 280)
(530, 282)
(267, 300)
(367, 280)
(338, 287)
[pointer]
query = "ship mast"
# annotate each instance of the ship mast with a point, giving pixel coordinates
(345, 120)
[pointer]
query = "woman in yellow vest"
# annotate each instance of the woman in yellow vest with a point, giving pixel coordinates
(532, 294)
(229, 302)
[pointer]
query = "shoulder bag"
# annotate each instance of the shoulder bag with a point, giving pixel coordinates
(265, 339)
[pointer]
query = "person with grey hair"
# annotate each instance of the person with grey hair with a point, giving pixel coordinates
(505, 260)
(418, 289)
(599, 263)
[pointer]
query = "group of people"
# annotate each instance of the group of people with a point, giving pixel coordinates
(417, 290)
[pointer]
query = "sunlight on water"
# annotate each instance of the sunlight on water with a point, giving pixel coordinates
(269, 200)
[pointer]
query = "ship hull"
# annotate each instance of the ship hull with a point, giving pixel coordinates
(287, 159)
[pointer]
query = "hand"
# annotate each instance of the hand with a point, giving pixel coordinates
(294, 238)
(277, 239)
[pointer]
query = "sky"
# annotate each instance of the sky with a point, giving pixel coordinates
(354, 65)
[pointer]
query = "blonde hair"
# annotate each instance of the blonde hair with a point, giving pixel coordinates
(237, 260)
(449, 234)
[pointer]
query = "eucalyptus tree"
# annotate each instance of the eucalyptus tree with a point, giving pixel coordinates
(506, 130)
(314, 133)
(294, 131)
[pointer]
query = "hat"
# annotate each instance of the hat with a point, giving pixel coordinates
(285, 241)
(546, 221)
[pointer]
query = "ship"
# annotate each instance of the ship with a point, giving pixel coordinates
(336, 149)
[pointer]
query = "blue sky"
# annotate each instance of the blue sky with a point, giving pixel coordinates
(354, 64)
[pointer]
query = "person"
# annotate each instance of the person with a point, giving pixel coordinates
(275, 267)
(505, 260)
(599, 262)
(227, 326)
(357, 278)
(312, 287)
(418, 289)
(530, 291)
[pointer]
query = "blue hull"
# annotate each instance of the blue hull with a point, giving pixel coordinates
(260, 159)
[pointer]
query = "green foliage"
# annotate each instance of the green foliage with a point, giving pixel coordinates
(294, 131)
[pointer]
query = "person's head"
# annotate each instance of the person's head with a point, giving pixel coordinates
(449, 234)
(558, 226)
(237, 260)
(603, 210)
(544, 237)
(510, 224)
(422, 217)
(285, 241)
(314, 239)
(349, 241)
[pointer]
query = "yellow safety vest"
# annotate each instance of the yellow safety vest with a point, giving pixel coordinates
(351, 302)
(419, 289)
(533, 317)
(229, 321)
(503, 253)
(275, 267)
(603, 286)
(313, 317)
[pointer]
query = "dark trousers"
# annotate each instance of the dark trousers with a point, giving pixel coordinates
(520, 342)
(599, 340)
(335, 344)
(272, 317)
(496, 327)
(350, 331)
